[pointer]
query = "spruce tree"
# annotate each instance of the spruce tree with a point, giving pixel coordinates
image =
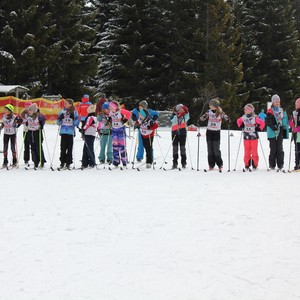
(271, 40)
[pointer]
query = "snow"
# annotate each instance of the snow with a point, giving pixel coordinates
(100, 234)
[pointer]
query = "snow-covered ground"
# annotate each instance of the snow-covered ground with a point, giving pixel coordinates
(150, 235)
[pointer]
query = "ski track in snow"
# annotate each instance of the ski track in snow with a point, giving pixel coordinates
(148, 235)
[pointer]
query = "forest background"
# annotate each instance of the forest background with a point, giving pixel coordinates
(162, 51)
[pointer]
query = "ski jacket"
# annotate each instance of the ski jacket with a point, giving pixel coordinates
(117, 119)
(276, 120)
(251, 124)
(10, 124)
(68, 123)
(179, 123)
(104, 123)
(90, 127)
(153, 114)
(35, 122)
(214, 121)
(294, 120)
(147, 126)
(82, 108)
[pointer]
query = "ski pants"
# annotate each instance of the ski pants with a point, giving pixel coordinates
(26, 146)
(35, 139)
(88, 155)
(119, 146)
(250, 152)
(140, 150)
(12, 138)
(106, 144)
(179, 141)
(148, 145)
(213, 140)
(276, 152)
(297, 151)
(66, 149)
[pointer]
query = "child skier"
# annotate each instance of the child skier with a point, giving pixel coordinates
(214, 115)
(277, 130)
(294, 122)
(135, 115)
(147, 127)
(118, 133)
(35, 123)
(104, 129)
(67, 120)
(179, 121)
(89, 134)
(251, 124)
(10, 123)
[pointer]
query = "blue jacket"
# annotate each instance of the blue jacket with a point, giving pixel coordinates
(275, 126)
(67, 122)
(153, 114)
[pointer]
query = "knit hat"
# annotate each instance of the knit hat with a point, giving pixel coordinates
(105, 105)
(214, 102)
(144, 104)
(275, 98)
(297, 103)
(33, 107)
(9, 107)
(144, 113)
(178, 107)
(91, 109)
(249, 107)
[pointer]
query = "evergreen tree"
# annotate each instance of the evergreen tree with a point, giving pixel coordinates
(271, 57)
(70, 61)
(20, 42)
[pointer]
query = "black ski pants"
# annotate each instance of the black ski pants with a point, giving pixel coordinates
(179, 141)
(148, 143)
(66, 149)
(213, 139)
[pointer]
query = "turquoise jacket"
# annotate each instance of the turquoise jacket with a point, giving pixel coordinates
(275, 126)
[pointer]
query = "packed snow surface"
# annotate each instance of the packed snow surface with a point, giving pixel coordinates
(153, 234)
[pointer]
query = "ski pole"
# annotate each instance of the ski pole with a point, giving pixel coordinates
(134, 136)
(134, 152)
(290, 154)
(237, 155)
(228, 144)
(164, 161)
(188, 144)
(262, 150)
(23, 141)
(198, 149)
(51, 162)
(159, 144)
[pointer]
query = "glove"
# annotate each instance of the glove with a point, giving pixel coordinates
(72, 116)
(124, 120)
(61, 117)
(80, 130)
(93, 122)
(151, 123)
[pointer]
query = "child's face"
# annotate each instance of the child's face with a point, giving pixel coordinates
(212, 107)
(276, 103)
(6, 111)
(105, 111)
(247, 111)
(67, 105)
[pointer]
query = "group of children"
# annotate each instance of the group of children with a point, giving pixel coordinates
(109, 124)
